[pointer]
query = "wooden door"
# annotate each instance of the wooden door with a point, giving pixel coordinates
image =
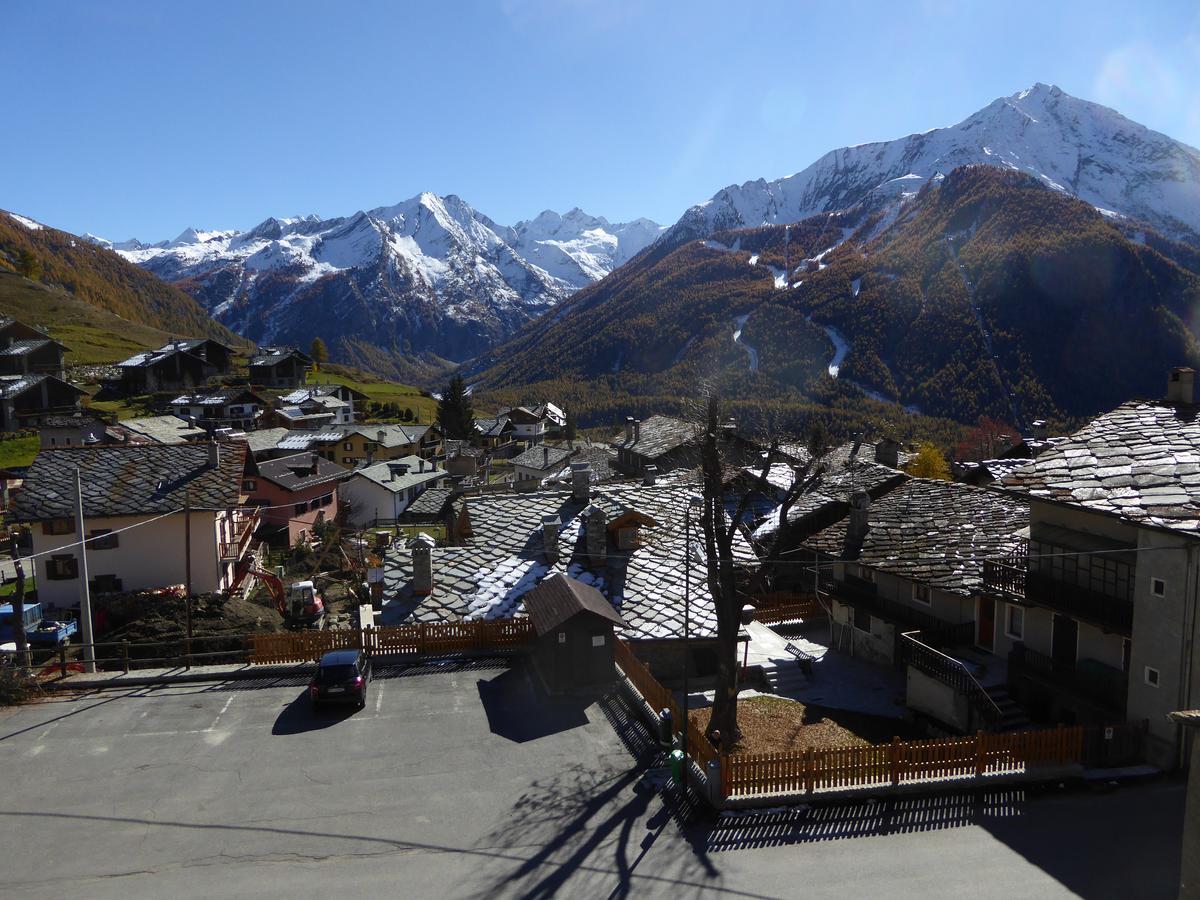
(985, 632)
(1065, 645)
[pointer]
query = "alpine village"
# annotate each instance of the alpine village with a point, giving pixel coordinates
(859, 504)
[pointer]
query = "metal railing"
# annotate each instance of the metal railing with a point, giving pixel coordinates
(951, 672)
(868, 600)
(1012, 575)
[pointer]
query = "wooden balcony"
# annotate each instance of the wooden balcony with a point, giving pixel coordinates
(244, 525)
(1089, 680)
(1011, 577)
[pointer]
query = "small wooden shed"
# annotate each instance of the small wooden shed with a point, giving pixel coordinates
(574, 625)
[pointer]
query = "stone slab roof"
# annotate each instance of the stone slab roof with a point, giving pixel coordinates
(163, 429)
(271, 356)
(400, 474)
(659, 435)
(1140, 462)
(505, 559)
(264, 439)
(934, 532)
(543, 458)
(142, 479)
(831, 492)
(16, 385)
(430, 504)
(25, 347)
(294, 473)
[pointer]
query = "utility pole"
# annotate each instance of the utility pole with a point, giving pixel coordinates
(187, 574)
(18, 614)
(85, 594)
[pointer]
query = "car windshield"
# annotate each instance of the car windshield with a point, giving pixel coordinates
(333, 674)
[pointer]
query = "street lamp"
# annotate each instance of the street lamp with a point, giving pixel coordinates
(694, 502)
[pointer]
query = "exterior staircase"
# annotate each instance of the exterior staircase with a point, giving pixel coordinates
(785, 677)
(1012, 715)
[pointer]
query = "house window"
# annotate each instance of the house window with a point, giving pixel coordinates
(249, 484)
(920, 593)
(327, 500)
(315, 503)
(62, 568)
(866, 574)
(346, 460)
(862, 620)
(300, 509)
(53, 441)
(58, 526)
(1158, 587)
(347, 446)
(1151, 676)
(1014, 623)
(103, 539)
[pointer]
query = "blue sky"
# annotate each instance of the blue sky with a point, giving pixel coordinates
(142, 118)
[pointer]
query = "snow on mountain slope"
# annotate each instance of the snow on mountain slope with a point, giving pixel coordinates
(1071, 145)
(578, 248)
(427, 274)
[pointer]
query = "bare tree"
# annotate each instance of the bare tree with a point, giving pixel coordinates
(720, 532)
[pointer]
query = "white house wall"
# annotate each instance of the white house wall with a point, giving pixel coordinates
(150, 556)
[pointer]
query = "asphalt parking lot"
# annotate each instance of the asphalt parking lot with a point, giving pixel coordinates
(460, 780)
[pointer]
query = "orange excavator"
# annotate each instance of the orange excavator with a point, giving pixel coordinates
(300, 605)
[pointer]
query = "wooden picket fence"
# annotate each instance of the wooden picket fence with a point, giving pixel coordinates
(417, 638)
(786, 606)
(658, 697)
(871, 765)
(900, 762)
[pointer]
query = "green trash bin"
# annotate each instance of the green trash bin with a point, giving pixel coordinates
(677, 759)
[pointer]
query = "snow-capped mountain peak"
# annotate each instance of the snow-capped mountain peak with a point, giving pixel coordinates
(1069, 144)
(430, 272)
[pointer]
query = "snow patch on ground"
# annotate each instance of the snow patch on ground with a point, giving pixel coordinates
(754, 259)
(840, 348)
(856, 285)
(738, 324)
(28, 223)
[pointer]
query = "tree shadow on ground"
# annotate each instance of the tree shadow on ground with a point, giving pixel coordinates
(595, 826)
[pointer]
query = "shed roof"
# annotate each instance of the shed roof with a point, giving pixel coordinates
(560, 597)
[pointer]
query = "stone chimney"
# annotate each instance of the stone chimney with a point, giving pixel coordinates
(637, 430)
(550, 529)
(887, 453)
(629, 429)
(581, 481)
(314, 465)
(650, 476)
(379, 436)
(1181, 385)
(855, 447)
(214, 454)
(422, 562)
(596, 536)
(857, 524)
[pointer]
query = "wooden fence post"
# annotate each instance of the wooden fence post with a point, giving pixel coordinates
(1060, 737)
(62, 659)
(808, 774)
(895, 760)
(125, 656)
(980, 752)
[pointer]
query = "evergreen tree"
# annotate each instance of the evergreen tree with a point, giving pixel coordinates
(455, 414)
(929, 463)
(319, 352)
(569, 427)
(29, 265)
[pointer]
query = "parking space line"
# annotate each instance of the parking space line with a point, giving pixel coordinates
(378, 698)
(213, 726)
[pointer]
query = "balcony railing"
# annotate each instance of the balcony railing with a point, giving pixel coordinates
(951, 672)
(1088, 679)
(243, 525)
(1011, 575)
(865, 596)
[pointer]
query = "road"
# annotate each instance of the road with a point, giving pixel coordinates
(461, 782)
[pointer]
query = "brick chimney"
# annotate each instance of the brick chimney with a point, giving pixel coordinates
(596, 536)
(550, 529)
(857, 525)
(650, 476)
(422, 561)
(581, 481)
(1181, 385)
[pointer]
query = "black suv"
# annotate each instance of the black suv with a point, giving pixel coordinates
(342, 676)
